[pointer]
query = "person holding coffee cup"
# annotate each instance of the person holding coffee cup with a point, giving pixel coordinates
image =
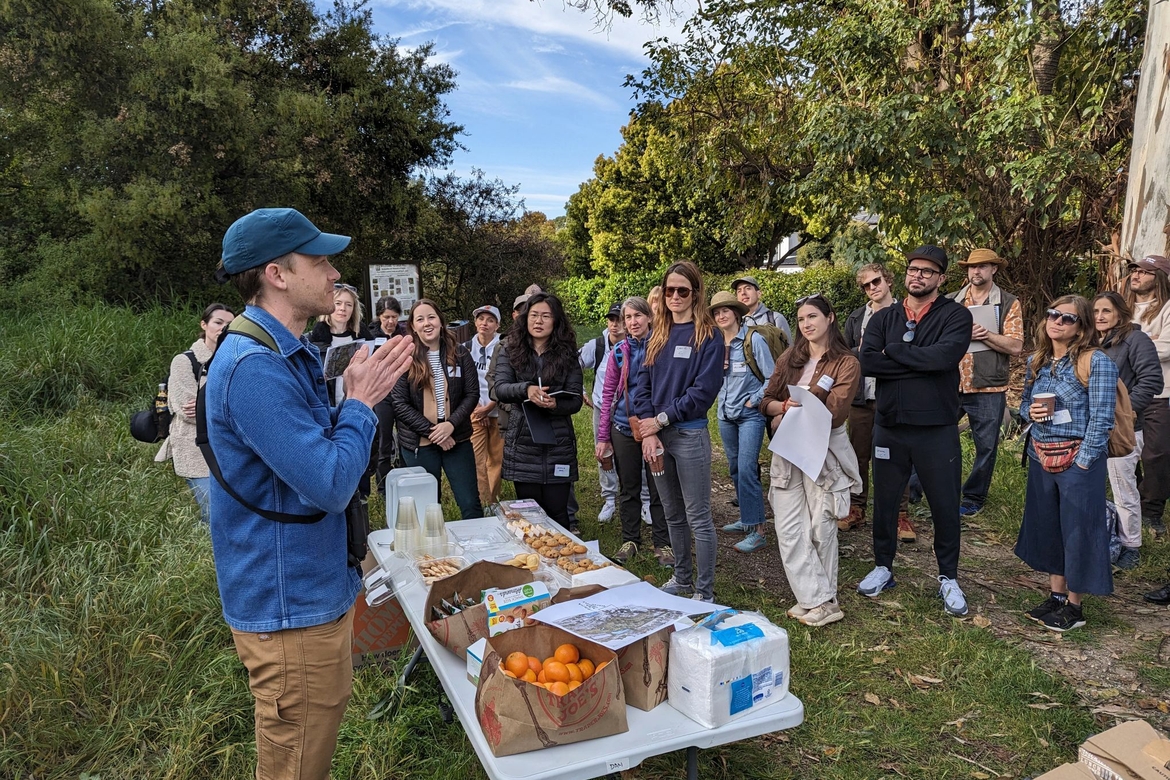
(677, 383)
(1070, 389)
(617, 438)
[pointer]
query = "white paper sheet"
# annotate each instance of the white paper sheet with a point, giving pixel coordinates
(617, 617)
(985, 316)
(803, 436)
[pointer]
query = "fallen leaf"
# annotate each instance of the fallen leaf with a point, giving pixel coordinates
(931, 680)
(873, 699)
(981, 621)
(879, 659)
(890, 604)
(1039, 695)
(1045, 705)
(832, 752)
(1148, 704)
(981, 776)
(877, 649)
(1043, 742)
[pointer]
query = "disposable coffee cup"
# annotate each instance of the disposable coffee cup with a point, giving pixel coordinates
(1048, 401)
(606, 462)
(657, 465)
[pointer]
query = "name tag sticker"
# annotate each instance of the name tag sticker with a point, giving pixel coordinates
(456, 372)
(881, 453)
(561, 470)
(682, 352)
(825, 383)
(1063, 417)
(739, 367)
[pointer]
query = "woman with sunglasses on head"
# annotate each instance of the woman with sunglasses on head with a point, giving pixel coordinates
(1069, 393)
(341, 326)
(433, 402)
(807, 510)
(539, 367)
(677, 383)
(1136, 358)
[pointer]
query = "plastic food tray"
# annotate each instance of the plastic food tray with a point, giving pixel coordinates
(422, 566)
(481, 538)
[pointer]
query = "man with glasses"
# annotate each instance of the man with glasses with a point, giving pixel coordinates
(1148, 294)
(747, 289)
(983, 371)
(913, 350)
(876, 282)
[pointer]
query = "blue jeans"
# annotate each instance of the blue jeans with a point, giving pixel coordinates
(685, 490)
(741, 442)
(459, 463)
(985, 413)
(201, 488)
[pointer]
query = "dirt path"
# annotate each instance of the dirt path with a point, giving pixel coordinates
(1120, 666)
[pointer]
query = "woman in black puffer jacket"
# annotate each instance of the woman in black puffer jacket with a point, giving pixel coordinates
(539, 368)
(433, 402)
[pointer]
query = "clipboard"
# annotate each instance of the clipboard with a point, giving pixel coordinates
(540, 421)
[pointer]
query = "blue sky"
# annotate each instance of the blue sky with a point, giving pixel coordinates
(539, 90)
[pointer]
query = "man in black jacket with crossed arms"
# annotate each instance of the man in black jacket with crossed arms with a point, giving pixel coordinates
(913, 349)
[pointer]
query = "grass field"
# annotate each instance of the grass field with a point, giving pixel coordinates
(117, 663)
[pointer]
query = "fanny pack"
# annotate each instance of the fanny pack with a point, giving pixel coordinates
(1056, 456)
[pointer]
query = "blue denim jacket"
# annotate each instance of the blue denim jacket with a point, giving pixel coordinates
(739, 383)
(1090, 410)
(282, 447)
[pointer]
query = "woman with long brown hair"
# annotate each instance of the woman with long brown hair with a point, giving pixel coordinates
(677, 383)
(433, 402)
(1070, 390)
(806, 510)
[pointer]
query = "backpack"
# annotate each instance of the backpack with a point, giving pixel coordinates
(1122, 439)
(151, 426)
(775, 339)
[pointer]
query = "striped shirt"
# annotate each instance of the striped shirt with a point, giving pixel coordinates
(440, 376)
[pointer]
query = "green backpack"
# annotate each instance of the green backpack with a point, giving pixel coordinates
(773, 337)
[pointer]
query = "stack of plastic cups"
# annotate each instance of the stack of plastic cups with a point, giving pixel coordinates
(408, 536)
(434, 530)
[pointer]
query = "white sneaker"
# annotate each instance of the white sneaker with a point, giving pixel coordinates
(796, 612)
(876, 581)
(646, 515)
(823, 615)
(954, 602)
(606, 513)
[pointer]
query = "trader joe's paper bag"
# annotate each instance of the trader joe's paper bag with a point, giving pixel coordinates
(460, 631)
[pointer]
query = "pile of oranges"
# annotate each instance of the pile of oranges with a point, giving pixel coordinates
(560, 673)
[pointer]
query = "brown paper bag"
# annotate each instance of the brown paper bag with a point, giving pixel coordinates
(642, 664)
(460, 631)
(378, 632)
(517, 716)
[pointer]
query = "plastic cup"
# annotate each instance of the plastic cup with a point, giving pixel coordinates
(606, 462)
(1048, 401)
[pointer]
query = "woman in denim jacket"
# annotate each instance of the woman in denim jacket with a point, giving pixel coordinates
(1064, 532)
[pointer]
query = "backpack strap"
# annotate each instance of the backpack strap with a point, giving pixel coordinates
(1084, 366)
(249, 329)
(196, 366)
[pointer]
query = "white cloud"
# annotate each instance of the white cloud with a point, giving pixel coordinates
(555, 85)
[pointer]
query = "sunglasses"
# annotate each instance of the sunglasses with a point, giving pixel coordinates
(1063, 317)
(874, 282)
(802, 301)
(340, 286)
(681, 292)
(908, 336)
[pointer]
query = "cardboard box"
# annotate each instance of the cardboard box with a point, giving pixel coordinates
(460, 631)
(511, 608)
(1068, 772)
(517, 717)
(475, 655)
(378, 632)
(1131, 751)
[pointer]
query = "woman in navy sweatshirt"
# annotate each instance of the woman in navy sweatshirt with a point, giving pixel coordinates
(677, 383)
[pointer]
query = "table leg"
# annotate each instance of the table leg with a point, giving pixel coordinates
(414, 659)
(692, 763)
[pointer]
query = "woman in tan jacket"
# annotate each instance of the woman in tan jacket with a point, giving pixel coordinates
(186, 377)
(807, 510)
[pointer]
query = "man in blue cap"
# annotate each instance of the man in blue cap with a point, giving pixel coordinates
(288, 465)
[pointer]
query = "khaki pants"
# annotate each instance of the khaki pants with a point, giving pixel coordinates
(301, 680)
(488, 443)
(806, 531)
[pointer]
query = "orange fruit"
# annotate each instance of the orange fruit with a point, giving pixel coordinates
(516, 663)
(509, 674)
(586, 667)
(540, 678)
(603, 665)
(567, 654)
(546, 661)
(534, 664)
(556, 671)
(575, 672)
(528, 676)
(574, 685)
(558, 688)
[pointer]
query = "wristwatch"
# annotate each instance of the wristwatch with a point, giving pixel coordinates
(662, 420)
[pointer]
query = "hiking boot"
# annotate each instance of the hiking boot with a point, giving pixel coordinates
(675, 588)
(876, 581)
(1156, 525)
(954, 601)
(906, 528)
(1129, 558)
(1159, 596)
(627, 551)
(856, 519)
(752, 542)
(665, 556)
(1068, 617)
(646, 518)
(1054, 602)
(969, 509)
(796, 612)
(823, 615)
(606, 513)
(738, 527)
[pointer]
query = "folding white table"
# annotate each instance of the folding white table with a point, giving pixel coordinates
(662, 730)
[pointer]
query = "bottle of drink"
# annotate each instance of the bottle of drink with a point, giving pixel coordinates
(160, 400)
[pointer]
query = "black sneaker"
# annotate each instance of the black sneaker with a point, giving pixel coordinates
(1068, 617)
(1046, 607)
(1156, 525)
(1130, 558)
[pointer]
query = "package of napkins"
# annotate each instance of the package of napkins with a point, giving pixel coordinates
(727, 666)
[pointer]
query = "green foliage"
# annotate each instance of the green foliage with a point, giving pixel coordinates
(133, 134)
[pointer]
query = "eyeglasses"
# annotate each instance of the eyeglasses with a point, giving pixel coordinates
(874, 282)
(340, 286)
(802, 301)
(681, 292)
(925, 273)
(1142, 271)
(1063, 317)
(539, 316)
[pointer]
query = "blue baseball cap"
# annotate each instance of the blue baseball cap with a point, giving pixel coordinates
(266, 234)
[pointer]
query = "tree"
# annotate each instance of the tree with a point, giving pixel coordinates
(134, 133)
